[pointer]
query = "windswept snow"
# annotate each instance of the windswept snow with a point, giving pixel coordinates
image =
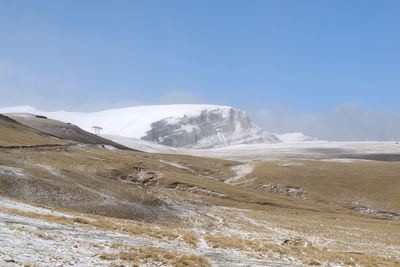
(241, 172)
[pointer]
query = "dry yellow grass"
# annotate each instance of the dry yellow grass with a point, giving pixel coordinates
(369, 183)
(11, 137)
(15, 134)
(156, 256)
(298, 248)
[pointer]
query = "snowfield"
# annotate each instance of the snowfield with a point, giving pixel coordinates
(299, 150)
(290, 148)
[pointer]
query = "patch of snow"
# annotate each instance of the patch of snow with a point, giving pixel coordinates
(11, 204)
(12, 171)
(289, 163)
(180, 166)
(176, 165)
(366, 210)
(241, 172)
(200, 190)
(296, 192)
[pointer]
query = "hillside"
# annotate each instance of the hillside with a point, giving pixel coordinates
(62, 130)
(14, 134)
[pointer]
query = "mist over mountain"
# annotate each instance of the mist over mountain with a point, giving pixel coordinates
(350, 122)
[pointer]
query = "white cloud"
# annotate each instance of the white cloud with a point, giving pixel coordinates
(345, 123)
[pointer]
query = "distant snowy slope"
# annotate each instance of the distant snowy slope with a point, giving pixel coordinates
(295, 137)
(196, 126)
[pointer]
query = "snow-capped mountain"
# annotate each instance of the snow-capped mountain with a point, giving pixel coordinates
(195, 126)
(219, 126)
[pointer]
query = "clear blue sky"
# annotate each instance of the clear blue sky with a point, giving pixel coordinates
(309, 55)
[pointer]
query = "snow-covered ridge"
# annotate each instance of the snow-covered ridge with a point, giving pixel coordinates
(196, 126)
(129, 122)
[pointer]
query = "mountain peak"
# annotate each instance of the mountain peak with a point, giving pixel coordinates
(210, 128)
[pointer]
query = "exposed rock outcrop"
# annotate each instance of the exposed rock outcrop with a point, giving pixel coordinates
(211, 128)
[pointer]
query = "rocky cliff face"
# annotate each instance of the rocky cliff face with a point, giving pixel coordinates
(211, 128)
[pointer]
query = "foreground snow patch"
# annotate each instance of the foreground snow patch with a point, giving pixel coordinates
(241, 172)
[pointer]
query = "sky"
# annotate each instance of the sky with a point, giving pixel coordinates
(330, 69)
